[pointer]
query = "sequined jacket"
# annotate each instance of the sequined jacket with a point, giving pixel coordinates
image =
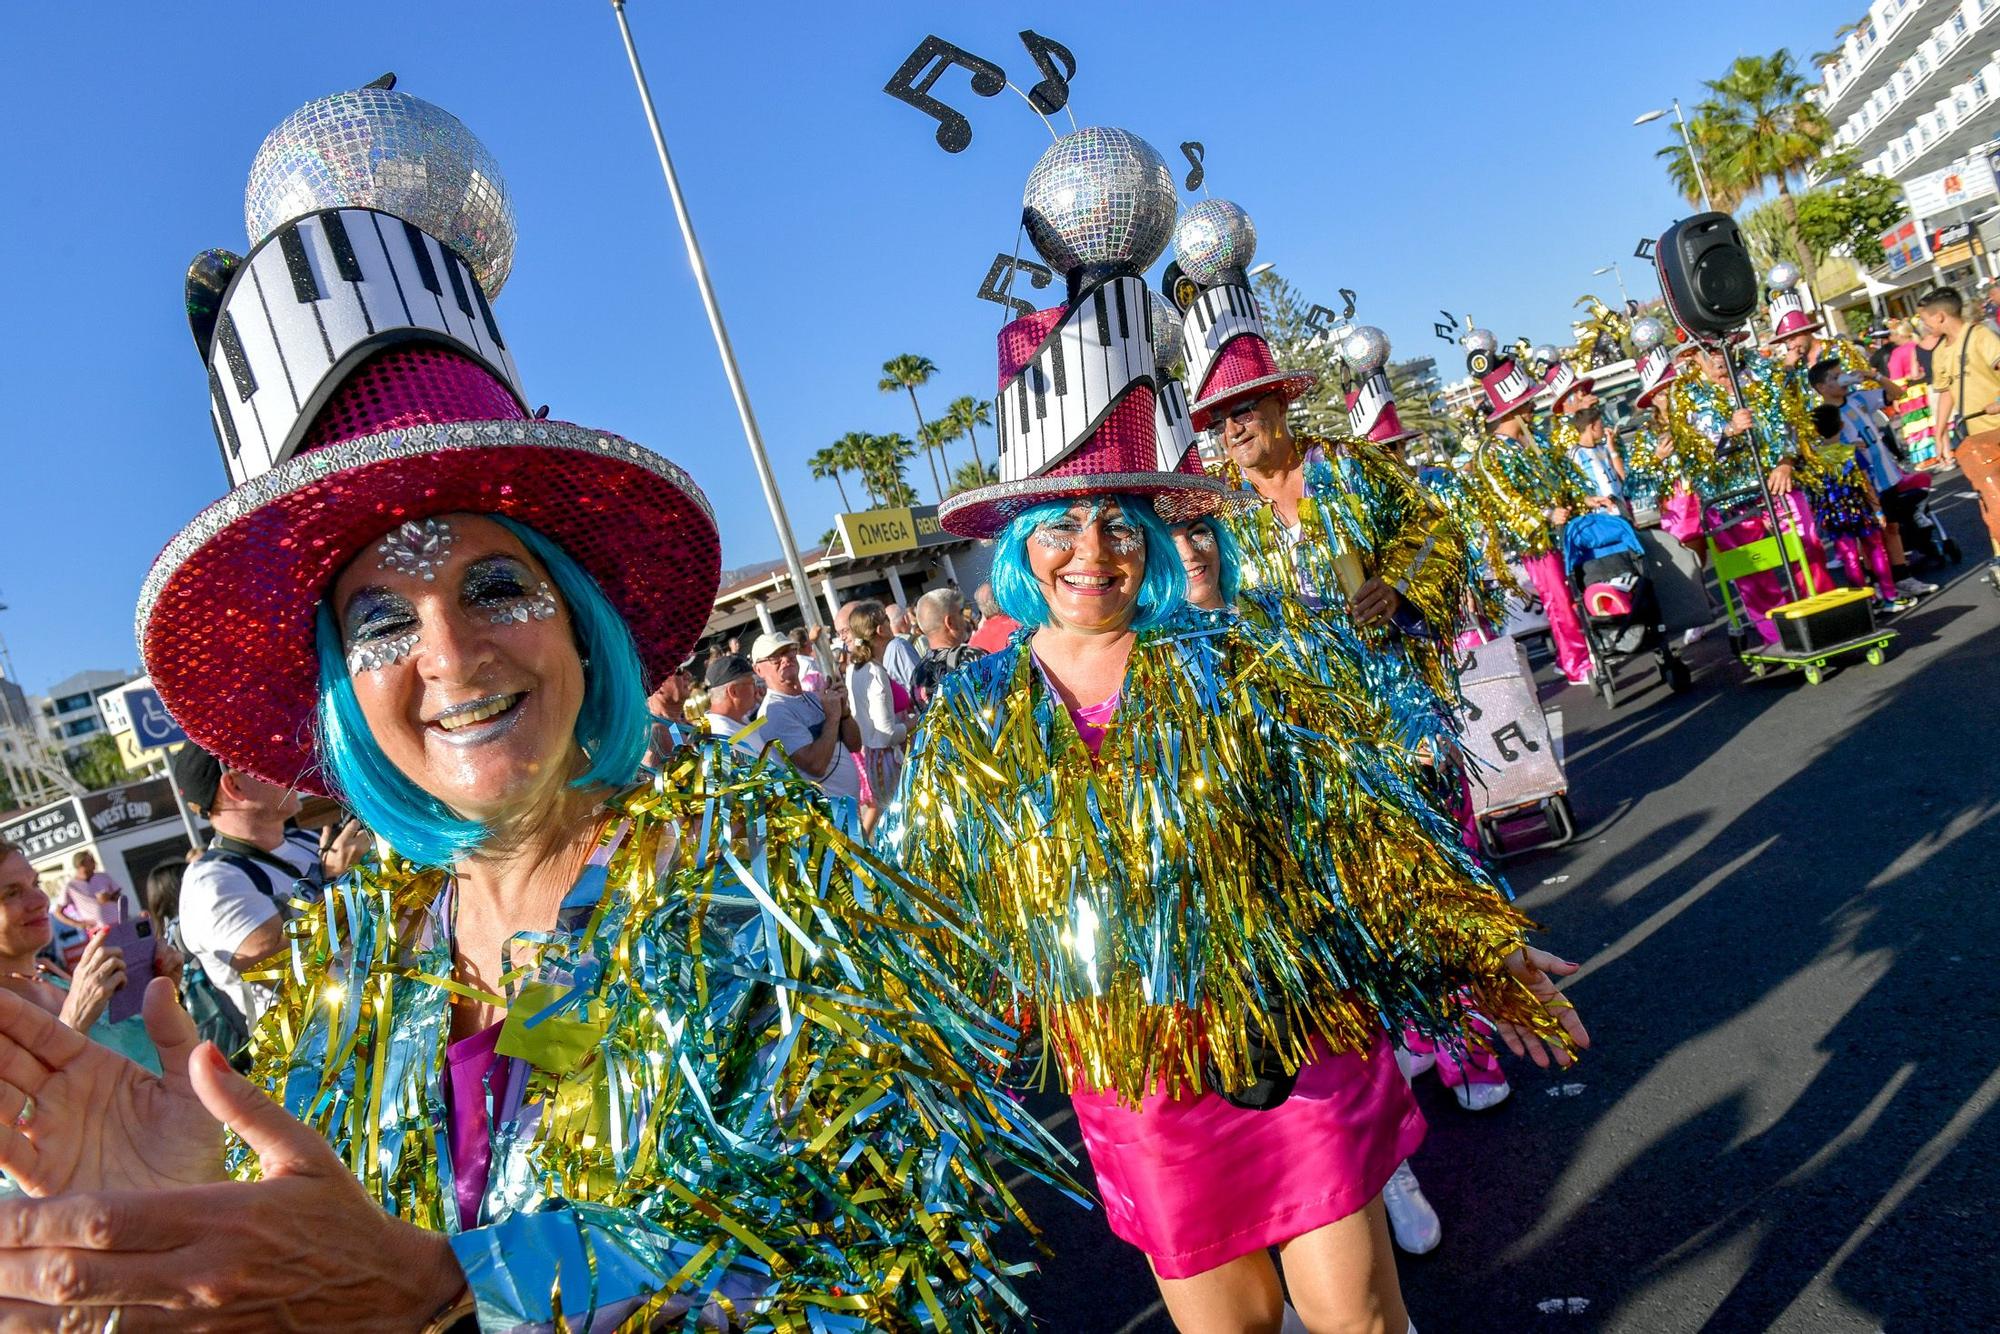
(1239, 858)
(1358, 498)
(757, 1095)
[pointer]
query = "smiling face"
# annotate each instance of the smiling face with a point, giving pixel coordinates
(24, 909)
(1196, 543)
(1090, 563)
(1254, 433)
(464, 664)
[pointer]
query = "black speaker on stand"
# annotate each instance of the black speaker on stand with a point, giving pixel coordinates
(1710, 285)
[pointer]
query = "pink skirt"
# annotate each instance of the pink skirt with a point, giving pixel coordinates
(1195, 1183)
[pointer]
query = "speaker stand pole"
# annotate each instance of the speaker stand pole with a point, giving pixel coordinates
(1763, 478)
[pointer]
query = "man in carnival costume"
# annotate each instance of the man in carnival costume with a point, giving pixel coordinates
(1109, 795)
(1524, 492)
(1343, 527)
(573, 1051)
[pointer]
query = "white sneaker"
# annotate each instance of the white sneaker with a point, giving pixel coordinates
(1481, 1097)
(1413, 1063)
(1693, 635)
(1915, 588)
(1411, 1219)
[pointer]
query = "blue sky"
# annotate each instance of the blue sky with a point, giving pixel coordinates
(1475, 158)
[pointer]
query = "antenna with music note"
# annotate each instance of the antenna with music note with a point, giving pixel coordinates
(915, 77)
(1000, 281)
(1645, 248)
(1194, 152)
(1448, 330)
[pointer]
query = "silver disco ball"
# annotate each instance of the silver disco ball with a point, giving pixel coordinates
(1212, 238)
(381, 149)
(1480, 340)
(1365, 349)
(1166, 323)
(1648, 333)
(1544, 354)
(1099, 196)
(1783, 277)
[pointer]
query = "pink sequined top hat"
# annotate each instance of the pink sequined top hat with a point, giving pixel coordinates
(1078, 408)
(360, 385)
(1371, 402)
(1509, 389)
(1229, 357)
(1561, 380)
(1788, 304)
(1656, 359)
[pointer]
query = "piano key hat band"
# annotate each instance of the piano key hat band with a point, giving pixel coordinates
(1080, 409)
(359, 381)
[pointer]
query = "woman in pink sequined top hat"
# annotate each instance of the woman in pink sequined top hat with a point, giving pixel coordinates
(1149, 814)
(538, 1064)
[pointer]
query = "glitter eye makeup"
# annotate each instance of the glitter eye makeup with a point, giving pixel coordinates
(1200, 538)
(381, 630)
(1125, 539)
(508, 591)
(1059, 535)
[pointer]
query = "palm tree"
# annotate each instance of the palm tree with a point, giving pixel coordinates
(885, 456)
(935, 436)
(1417, 404)
(828, 463)
(1770, 130)
(1708, 142)
(852, 452)
(974, 474)
(907, 372)
(967, 412)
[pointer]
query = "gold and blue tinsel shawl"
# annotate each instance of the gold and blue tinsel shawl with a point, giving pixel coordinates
(1360, 498)
(782, 1110)
(1240, 856)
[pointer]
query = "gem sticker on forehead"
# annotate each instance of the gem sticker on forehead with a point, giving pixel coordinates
(417, 548)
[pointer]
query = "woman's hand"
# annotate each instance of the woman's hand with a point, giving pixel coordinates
(1739, 422)
(100, 970)
(75, 1116)
(1532, 968)
(304, 1248)
(1780, 479)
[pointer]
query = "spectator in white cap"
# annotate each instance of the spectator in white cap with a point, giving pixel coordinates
(815, 731)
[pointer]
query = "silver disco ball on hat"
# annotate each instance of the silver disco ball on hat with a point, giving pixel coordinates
(1543, 353)
(1365, 349)
(1783, 277)
(1099, 196)
(1212, 238)
(381, 149)
(1648, 333)
(1166, 323)
(1480, 340)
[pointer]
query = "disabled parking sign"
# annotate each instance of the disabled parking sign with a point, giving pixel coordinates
(152, 726)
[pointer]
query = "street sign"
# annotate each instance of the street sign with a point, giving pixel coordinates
(152, 725)
(47, 830)
(886, 531)
(111, 708)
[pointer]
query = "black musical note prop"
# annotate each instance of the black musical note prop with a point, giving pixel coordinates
(1448, 330)
(1319, 318)
(1347, 295)
(1513, 730)
(1468, 660)
(1193, 151)
(912, 83)
(1645, 248)
(385, 83)
(1052, 93)
(996, 287)
(1473, 712)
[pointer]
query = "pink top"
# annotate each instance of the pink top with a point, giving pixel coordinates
(469, 1061)
(1094, 720)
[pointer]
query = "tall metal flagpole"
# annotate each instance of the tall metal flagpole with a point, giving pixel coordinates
(808, 607)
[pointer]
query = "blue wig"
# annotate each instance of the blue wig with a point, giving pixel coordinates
(1162, 589)
(611, 725)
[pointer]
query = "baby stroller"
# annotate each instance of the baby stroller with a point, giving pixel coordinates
(1620, 609)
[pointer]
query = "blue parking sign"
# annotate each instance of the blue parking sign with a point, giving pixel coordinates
(152, 725)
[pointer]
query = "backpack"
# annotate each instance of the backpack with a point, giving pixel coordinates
(217, 1017)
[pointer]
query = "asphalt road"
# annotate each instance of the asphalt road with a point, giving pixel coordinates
(1784, 898)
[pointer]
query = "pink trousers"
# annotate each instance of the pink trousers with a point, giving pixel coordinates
(1852, 552)
(1545, 572)
(1760, 592)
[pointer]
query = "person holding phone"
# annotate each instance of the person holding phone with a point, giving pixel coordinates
(83, 998)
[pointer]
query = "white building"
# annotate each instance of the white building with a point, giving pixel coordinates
(70, 715)
(1915, 95)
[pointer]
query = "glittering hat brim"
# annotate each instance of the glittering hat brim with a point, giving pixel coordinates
(1293, 385)
(226, 618)
(1177, 497)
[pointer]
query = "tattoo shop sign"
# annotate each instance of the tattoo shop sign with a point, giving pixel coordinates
(47, 830)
